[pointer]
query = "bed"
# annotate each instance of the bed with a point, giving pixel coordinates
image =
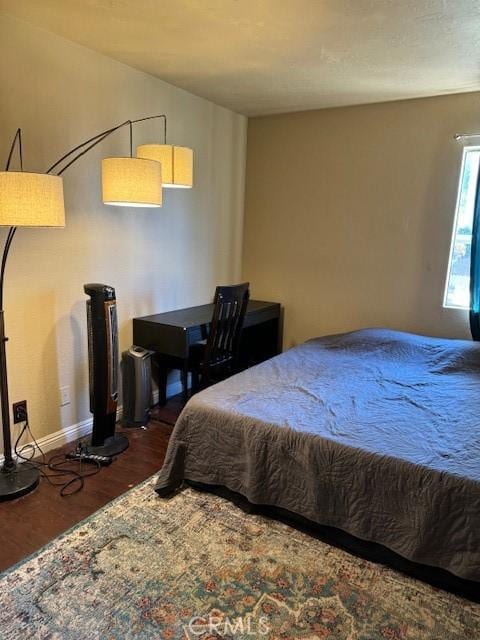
(375, 432)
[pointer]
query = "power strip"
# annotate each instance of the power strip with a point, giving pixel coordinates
(104, 461)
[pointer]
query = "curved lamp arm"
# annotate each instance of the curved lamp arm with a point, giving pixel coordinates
(71, 156)
(92, 142)
(11, 232)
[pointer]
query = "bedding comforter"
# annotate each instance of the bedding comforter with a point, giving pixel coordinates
(376, 432)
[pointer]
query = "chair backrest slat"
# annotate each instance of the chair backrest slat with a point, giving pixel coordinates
(227, 322)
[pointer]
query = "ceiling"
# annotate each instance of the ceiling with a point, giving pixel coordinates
(269, 56)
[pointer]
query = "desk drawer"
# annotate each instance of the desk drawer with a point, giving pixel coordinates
(162, 338)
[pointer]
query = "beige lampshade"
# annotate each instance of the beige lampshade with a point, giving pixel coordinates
(177, 163)
(31, 200)
(131, 182)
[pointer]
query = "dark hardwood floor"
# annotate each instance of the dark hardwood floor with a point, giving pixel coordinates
(30, 522)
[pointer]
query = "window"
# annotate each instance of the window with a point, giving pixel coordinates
(457, 290)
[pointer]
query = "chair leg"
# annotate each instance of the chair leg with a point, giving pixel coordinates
(195, 382)
(205, 380)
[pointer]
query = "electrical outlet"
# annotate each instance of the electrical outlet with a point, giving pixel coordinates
(64, 396)
(20, 411)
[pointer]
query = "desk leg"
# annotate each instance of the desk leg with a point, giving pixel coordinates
(161, 371)
(184, 375)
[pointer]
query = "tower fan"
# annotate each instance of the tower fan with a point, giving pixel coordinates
(103, 368)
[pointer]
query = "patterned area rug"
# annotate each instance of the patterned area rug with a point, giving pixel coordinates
(195, 566)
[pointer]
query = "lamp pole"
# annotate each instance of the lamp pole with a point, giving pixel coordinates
(19, 479)
(15, 480)
(8, 463)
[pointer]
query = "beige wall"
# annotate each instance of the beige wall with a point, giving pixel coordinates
(158, 259)
(349, 215)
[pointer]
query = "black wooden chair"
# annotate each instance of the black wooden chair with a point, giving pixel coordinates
(216, 358)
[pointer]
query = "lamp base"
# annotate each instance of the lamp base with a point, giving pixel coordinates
(18, 481)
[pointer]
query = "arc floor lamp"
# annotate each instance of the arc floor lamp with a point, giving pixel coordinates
(36, 200)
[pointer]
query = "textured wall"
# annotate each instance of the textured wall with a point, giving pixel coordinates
(349, 214)
(157, 259)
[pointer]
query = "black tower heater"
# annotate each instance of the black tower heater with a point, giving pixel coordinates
(103, 369)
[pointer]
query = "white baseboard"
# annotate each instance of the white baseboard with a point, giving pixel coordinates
(62, 436)
(84, 428)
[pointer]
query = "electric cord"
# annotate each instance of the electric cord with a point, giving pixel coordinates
(68, 487)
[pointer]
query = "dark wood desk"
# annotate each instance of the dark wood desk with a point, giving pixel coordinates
(170, 335)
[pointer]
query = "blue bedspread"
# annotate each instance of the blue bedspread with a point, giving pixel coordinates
(376, 432)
